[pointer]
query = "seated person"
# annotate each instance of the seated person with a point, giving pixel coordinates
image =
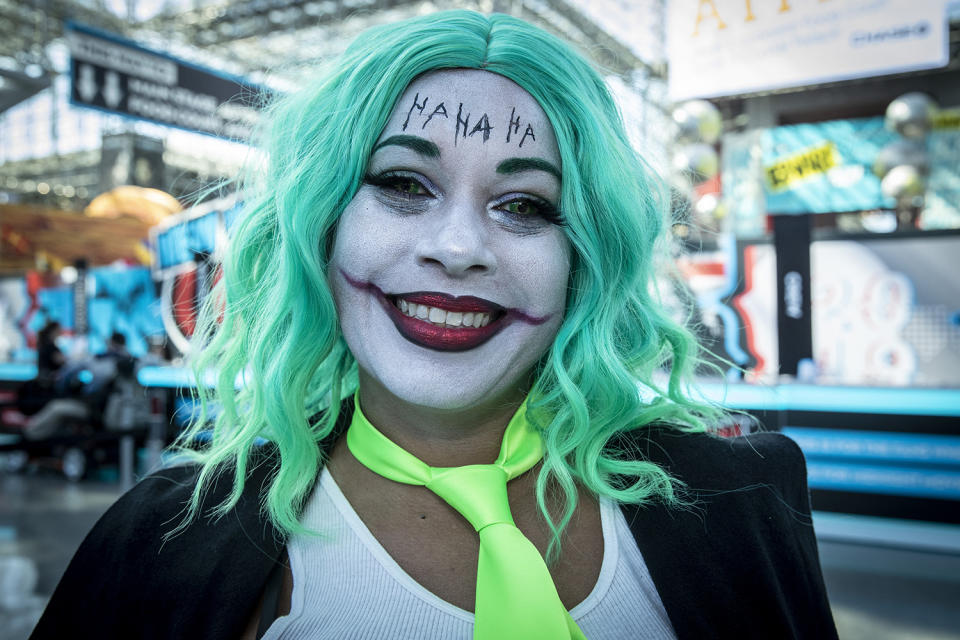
(83, 391)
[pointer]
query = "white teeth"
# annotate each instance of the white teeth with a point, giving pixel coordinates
(442, 316)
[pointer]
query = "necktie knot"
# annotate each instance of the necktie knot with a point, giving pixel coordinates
(478, 492)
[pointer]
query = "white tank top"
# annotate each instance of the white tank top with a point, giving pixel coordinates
(347, 587)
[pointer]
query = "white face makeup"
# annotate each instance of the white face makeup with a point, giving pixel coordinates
(448, 269)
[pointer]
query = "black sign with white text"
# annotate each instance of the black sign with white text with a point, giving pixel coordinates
(116, 75)
(791, 238)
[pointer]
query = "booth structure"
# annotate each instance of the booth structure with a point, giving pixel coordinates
(820, 218)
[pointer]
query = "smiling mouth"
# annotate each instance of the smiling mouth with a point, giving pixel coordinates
(437, 315)
(442, 322)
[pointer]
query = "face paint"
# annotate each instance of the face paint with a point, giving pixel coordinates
(449, 267)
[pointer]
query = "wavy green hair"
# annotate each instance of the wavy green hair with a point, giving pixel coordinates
(272, 322)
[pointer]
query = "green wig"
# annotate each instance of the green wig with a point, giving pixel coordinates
(270, 330)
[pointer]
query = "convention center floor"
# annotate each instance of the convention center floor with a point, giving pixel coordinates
(877, 592)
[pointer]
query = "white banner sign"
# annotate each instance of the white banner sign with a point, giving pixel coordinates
(729, 47)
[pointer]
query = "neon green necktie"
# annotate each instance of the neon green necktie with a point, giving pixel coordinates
(516, 597)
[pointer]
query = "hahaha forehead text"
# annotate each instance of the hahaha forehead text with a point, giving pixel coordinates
(506, 126)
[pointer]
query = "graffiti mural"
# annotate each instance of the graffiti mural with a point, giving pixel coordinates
(119, 299)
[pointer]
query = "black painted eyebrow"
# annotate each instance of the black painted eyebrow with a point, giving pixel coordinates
(516, 165)
(420, 145)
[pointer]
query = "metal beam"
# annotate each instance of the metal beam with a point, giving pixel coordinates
(15, 87)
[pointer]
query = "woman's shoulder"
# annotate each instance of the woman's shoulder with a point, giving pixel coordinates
(158, 496)
(158, 501)
(707, 460)
(153, 510)
(742, 537)
(216, 563)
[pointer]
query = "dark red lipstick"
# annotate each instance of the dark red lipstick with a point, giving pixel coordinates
(441, 337)
(445, 338)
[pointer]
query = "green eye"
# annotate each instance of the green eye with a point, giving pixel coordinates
(409, 187)
(522, 208)
(399, 187)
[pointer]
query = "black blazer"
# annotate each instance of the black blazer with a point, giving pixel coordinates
(740, 562)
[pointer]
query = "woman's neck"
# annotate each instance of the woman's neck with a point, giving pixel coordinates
(439, 437)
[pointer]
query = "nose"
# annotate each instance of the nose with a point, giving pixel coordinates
(457, 240)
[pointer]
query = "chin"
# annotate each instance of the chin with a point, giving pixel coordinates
(430, 391)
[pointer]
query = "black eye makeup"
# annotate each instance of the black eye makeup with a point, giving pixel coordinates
(528, 212)
(401, 190)
(409, 192)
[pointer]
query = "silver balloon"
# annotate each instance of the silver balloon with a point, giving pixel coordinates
(698, 161)
(911, 115)
(907, 151)
(903, 183)
(698, 121)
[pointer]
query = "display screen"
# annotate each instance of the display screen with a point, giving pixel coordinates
(886, 310)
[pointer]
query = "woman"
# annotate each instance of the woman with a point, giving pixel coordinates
(453, 236)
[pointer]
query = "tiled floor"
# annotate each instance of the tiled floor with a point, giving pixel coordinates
(877, 593)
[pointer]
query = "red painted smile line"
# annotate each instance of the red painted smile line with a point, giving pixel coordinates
(443, 322)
